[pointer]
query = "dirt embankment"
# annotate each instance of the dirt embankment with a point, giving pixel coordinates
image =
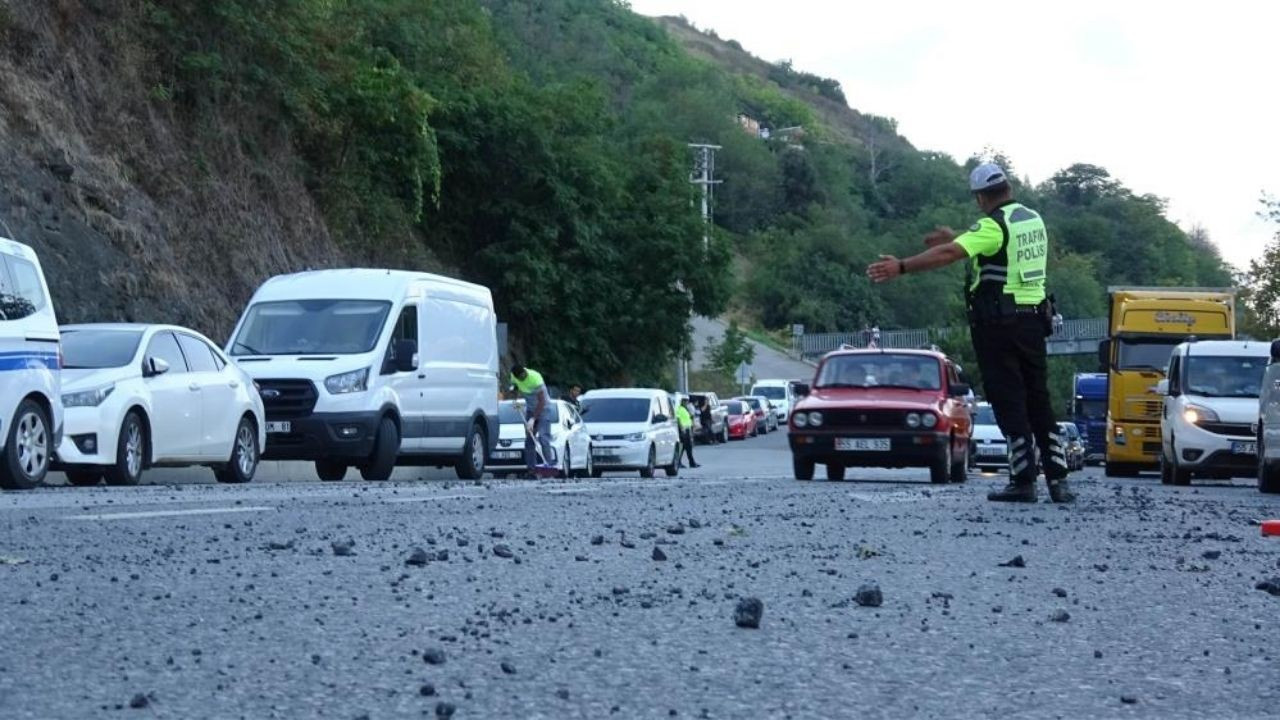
(138, 214)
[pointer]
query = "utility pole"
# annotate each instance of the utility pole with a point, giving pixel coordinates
(703, 175)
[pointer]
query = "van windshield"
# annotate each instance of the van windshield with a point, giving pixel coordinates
(773, 392)
(311, 327)
(615, 410)
(1234, 377)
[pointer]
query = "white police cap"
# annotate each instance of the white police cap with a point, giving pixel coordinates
(986, 176)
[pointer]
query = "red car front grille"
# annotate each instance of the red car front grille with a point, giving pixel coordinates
(864, 418)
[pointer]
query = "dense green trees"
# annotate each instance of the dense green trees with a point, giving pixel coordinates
(1262, 281)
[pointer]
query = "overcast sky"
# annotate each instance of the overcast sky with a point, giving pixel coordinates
(1174, 99)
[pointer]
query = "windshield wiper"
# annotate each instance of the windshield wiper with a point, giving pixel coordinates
(903, 387)
(842, 386)
(251, 350)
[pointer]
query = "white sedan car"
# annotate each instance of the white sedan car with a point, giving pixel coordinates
(570, 443)
(141, 396)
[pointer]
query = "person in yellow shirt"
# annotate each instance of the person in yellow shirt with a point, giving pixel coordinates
(684, 418)
(537, 412)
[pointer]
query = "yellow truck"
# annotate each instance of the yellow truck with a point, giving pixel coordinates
(1145, 325)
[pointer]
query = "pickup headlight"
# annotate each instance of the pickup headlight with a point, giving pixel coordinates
(634, 437)
(87, 398)
(1196, 414)
(800, 419)
(815, 419)
(349, 382)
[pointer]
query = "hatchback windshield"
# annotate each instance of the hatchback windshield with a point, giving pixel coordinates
(508, 414)
(1237, 377)
(94, 349)
(773, 392)
(984, 416)
(615, 410)
(311, 327)
(736, 408)
(915, 372)
(754, 403)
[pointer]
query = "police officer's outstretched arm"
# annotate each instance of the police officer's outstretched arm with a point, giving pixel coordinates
(940, 255)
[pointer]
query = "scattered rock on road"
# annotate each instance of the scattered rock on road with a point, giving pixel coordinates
(139, 701)
(427, 690)
(445, 710)
(869, 595)
(433, 656)
(1211, 554)
(418, 558)
(343, 549)
(597, 539)
(1128, 699)
(503, 551)
(658, 555)
(1017, 562)
(508, 668)
(748, 613)
(1060, 616)
(1060, 592)
(1271, 586)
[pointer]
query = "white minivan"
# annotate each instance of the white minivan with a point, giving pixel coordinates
(781, 394)
(632, 429)
(372, 369)
(30, 370)
(1211, 396)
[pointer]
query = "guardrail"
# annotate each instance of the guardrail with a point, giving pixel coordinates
(1075, 336)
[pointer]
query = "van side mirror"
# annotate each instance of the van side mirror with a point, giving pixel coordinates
(406, 355)
(1275, 351)
(802, 390)
(959, 390)
(1104, 356)
(660, 418)
(1162, 387)
(154, 366)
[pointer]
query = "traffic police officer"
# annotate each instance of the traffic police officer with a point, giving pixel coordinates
(1009, 318)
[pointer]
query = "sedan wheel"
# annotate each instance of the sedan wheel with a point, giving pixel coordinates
(244, 456)
(589, 469)
(130, 451)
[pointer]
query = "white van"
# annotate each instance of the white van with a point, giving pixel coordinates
(632, 429)
(781, 394)
(1211, 396)
(373, 369)
(30, 370)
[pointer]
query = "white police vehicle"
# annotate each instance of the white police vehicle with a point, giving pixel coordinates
(30, 370)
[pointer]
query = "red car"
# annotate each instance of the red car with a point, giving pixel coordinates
(883, 408)
(742, 420)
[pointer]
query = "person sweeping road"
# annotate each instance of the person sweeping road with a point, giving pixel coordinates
(530, 385)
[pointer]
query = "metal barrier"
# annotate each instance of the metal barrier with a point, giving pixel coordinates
(1074, 337)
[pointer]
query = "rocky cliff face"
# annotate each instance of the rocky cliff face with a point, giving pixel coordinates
(138, 214)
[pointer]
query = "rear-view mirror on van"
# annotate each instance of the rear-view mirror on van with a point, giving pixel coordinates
(660, 418)
(406, 355)
(1275, 351)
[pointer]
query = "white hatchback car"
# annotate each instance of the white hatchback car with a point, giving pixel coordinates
(570, 443)
(30, 414)
(632, 429)
(140, 396)
(1211, 396)
(990, 450)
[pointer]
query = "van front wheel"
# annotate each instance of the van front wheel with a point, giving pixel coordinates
(471, 465)
(385, 448)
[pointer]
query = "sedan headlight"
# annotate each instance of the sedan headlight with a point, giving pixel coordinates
(913, 420)
(349, 382)
(1196, 414)
(800, 419)
(929, 420)
(815, 419)
(634, 437)
(87, 398)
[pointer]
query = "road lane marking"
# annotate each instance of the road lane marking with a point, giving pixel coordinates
(167, 513)
(572, 491)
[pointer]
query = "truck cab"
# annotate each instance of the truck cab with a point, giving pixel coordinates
(1089, 413)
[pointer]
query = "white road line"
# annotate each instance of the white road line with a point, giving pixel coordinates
(573, 491)
(430, 498)
(167, 513)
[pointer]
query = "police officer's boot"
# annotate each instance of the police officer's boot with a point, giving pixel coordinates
(1022, 473)
(1056, 471)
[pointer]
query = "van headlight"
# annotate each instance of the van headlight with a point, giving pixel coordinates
(634, 437)
(348, 382)
(1195, 414)
(87, 398)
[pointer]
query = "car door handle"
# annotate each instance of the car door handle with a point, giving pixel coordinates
(194, 387)
(234, 384)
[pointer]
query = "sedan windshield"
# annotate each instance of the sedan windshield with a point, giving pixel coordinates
(615, 410)
(754, 403)
(736, 408)
(916, 372)
(1235, 377)
(96, 349)
(984, 416)
(311, 327)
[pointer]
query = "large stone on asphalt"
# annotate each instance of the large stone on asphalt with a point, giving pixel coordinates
(139, 701)
(748, 613)
(869, 595)
(658, 555)
(343, 548)
(1271, 586)
(418, 558)
(503, 551)
(1060, 616)
(433, 656)
(1016, 562)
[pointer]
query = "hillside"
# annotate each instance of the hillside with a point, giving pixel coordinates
(164, 158)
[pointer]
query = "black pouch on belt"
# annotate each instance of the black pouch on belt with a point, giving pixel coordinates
(1046, 310)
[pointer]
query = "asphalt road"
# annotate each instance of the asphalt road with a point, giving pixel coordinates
(195, 600)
